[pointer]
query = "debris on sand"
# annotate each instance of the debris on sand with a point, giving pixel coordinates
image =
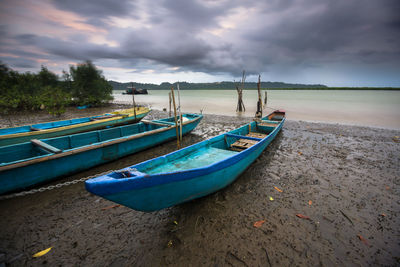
(363, 239)
(347, 217)
(41, 253)
(258, 224)
(277, 189)
(303, 216)
(111, 207)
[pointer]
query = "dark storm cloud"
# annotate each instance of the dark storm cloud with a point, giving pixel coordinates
(300, 33)
(96, 8)
(96, 12)
(229, 36)
(78, 49)
(173, 48)
(192, 13)
(333, 31)
(24, 63)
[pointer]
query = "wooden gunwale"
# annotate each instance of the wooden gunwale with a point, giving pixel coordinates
(91, 147)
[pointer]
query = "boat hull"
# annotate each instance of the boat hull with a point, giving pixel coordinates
(74, 161)
(22, 137)
(163, 190)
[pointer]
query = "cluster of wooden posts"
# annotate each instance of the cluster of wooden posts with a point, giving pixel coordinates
(178, 119)
(240, 105)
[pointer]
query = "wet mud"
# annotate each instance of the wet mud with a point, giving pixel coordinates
(342, 182)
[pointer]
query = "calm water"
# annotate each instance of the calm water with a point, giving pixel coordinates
(369, 108)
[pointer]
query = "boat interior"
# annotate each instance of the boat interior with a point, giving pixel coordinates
(44, 147)
(48, 125)
(208, 152)
(57, 124)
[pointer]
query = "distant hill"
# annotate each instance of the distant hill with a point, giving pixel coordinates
(217, 85)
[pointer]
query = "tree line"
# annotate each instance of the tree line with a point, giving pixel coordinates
(84, 84)
(216, 85)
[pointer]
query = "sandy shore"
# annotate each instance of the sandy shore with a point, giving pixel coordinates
(344, 178)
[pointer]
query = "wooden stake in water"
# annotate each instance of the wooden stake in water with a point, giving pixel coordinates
(176, 121)
(180, 114)
(265, 98)
(239, 88)
(259, 103)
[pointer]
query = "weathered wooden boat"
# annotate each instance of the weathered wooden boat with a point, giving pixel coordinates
(191, 172)
(27, 164)
(9, 136)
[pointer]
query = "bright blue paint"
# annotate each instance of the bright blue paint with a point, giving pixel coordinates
(184, 174)
(26, 176)
(201, 158)
(57, 124)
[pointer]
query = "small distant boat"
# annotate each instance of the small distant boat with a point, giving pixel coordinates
(15, 135)
(38, 161)
(191, 172)
(134, 91)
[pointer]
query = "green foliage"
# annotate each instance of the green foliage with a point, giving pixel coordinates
(231, 86)
(29, 91)
(89, 85)
(55, 100)
(211, 86)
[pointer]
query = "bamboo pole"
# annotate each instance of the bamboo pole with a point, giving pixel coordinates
(133, 99)
(170, 102)
(176, 122)
(180, 114)
(259, 89)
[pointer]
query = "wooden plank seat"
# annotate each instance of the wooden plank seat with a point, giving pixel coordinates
(242, 144)
(269, 124)
(256, 135)
(45, 146)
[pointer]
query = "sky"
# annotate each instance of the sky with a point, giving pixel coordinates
(330, 42)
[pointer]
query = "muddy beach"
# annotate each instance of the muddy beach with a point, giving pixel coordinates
(343, 180)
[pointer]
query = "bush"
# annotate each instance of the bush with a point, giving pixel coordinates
(89, 87)
(55, 100)
(84, 85)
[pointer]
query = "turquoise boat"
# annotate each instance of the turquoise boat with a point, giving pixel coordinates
(191, 172)
(21, 134)
(38, 161)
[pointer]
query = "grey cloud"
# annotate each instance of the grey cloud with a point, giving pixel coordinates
(24, 63)
(96, 8)
(339, 30)
(192, 13)
(78, 50)
(283, 34)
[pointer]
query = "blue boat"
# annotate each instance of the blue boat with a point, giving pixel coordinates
(191, 172)
(31, 163)
(21, 134)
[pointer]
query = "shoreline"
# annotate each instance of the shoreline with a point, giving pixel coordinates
(349, 173)
(43, 116)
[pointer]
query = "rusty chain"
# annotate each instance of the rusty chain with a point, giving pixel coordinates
(51, 187)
